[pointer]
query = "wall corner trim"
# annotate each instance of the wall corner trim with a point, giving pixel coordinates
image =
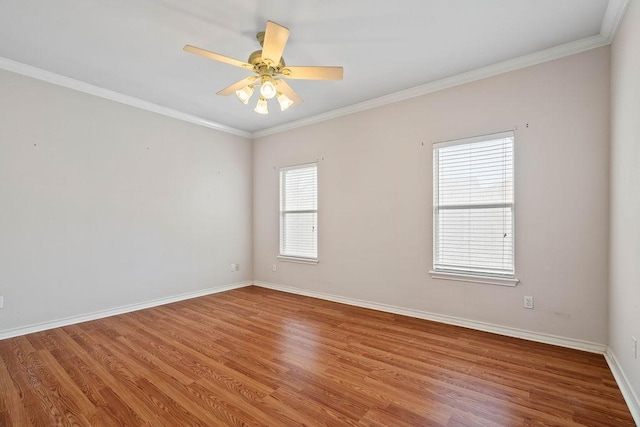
(450, 320)
(24, 330)
(628, 393)
(80, 86)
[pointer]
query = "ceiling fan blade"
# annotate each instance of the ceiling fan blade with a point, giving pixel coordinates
(237, 86)
(283, 87)
(313, 73)
(217, 57)
(275, 39)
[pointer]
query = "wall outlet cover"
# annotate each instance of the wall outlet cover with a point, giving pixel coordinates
(528, 302)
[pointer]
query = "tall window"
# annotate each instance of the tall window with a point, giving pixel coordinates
(299, 212)
(473, 206)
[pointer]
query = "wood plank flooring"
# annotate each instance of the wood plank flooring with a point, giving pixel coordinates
(253, 356)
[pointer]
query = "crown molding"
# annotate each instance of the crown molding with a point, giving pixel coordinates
(612, 18)
(60, 80)
(535, 58)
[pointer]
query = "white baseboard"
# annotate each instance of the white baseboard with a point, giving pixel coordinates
(628, 393)
(451, 320)
(118, 310)
(625, 386)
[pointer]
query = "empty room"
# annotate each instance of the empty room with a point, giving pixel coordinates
(320, 213)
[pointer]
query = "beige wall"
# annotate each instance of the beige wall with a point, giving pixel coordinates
(115, 206)
(105, 205)
(375, 184)
(624, 306)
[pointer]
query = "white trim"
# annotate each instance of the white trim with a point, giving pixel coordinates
(450, 320)
(486, 280)
(612, 18)
(623, 383)
(300, 166)
(60, 80)
(629, 395)
(285, 258)
(38, 327)
(535, 58)
(472, 139)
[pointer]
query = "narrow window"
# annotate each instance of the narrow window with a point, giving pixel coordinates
(473, 217)
(299, 212)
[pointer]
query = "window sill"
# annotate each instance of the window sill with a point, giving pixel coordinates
(458, 277)
(298, 260)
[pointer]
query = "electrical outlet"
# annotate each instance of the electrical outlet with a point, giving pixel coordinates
(528, 302)
(2, 303)
(233, 267)
(275, 267)
(635, 347)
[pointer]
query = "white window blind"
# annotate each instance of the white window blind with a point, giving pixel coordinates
(299, 211)
(473, 206)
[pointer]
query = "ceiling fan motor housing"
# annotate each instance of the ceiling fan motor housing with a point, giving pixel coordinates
(260, 66)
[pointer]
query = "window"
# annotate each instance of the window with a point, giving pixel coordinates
(473, 219)
(299, 213)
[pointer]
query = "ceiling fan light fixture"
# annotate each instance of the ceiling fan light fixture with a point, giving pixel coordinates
(267, 88)
(261, 107)
(245, 94)
(268, 65)
(284, 101)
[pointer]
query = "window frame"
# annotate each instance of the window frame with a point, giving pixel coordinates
(462, 275)
(281, 212)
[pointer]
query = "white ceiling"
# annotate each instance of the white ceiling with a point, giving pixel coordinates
(134, 47)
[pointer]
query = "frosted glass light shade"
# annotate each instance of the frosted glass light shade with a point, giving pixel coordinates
(284, 101)
(261, 108)
(244, 94)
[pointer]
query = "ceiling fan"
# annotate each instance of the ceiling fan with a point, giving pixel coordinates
(269, 66)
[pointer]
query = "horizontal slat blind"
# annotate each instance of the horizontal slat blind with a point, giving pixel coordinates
(299, 211)
(473, 206)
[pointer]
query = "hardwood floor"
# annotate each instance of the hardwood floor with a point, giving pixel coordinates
(253, 356)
